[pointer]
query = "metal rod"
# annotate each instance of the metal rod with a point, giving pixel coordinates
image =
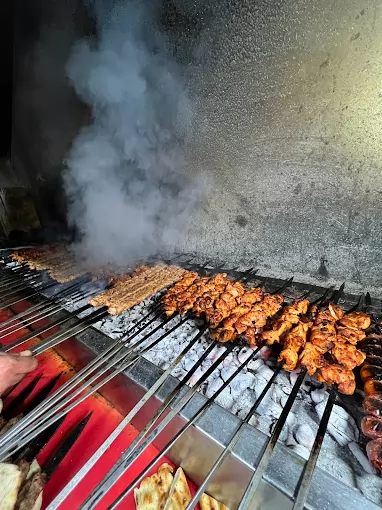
(307, 475)
(76, 329)
(23, 298)
(18, 283)
(138, 446)
(231, 445)
(40, 316)
(43, 329)
(54, 415)
(121, 427)
(271, 443)
(43, 304)
(189, 423)
(80, 376)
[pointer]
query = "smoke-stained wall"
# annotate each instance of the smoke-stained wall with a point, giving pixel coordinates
(287, 108)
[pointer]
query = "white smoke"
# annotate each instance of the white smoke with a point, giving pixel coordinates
(128, 196)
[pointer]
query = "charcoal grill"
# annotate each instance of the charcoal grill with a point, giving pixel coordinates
(222, 454)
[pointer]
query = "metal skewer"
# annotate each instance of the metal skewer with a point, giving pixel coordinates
(80, 376)
(194, 419)
(43, 329)
(54, 414)
(121, 427)
(271, 443)
(138, 446)
(40, 306)
(307, 475)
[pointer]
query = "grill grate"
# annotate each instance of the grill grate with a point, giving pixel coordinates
(20, 284)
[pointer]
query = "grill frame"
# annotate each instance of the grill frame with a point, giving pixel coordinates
(280, 474)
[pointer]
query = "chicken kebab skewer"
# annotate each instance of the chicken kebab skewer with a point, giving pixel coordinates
(307, 344)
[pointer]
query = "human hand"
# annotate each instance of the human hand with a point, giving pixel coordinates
(13, 367)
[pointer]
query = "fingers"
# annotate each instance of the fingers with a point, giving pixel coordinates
(14, 367)
(24, 364)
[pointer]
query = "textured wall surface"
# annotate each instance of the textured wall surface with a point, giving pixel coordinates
(288, 128)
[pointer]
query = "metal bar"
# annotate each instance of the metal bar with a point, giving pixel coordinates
(138, 446)
(231, 445)
(17, 283)
(68, 386)
(43, 304)
(23, 298)
(76, 329)
(194, 419)
(33, 448)
(42, 394)
(271, 443)
(65, 446)
(40, 316)
(307, 475)
(19, 399)
(38, 331)
(54, 415)
(121, 427)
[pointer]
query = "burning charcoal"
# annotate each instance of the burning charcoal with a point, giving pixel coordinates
(293, 377)
(318, 395)
(227, 371)
(301, 451)
(213, 386)
(361, 458)
(277, 394)
(255, 364)
(371, 486)
(304, 435)
(244, 354)
(342, 426)
(265, 372)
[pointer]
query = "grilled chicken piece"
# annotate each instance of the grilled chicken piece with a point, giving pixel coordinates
(356, 320)
(253, 319)
(224, 334)
(293, 342)
(271, 336)
(205, 304)
(250, 336)
(312, 358)
(290, 359)
(336, 374)
(323, 336)
(347, 355)
(251, 296)
(351, 335)
(331, 314)
(291, 315)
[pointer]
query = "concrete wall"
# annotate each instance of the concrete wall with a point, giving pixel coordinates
(288, 127)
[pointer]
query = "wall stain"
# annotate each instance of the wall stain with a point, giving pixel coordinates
(241, 221)
(355, 36)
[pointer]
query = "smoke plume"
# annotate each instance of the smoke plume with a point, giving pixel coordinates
(125, 181)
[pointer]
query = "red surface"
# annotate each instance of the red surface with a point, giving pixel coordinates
(104, 419)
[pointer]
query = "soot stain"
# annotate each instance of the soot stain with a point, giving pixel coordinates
(241, 221)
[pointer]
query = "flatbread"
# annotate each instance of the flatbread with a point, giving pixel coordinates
(208, 503)
(154, 489)
(182, 495)
(10, 482)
